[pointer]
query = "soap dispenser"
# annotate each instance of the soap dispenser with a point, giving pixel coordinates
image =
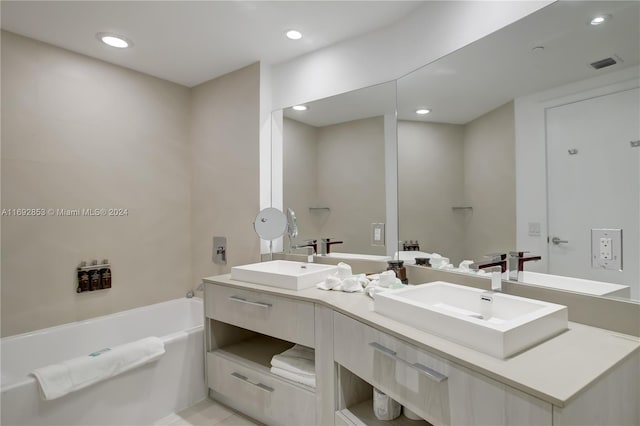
(105, 274)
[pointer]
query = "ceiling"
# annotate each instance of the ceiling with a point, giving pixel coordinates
(190, 42)
(502, 66)
(499, 67)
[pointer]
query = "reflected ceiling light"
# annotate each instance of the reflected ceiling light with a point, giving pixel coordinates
(423, 111)
(294, 35)
(299, 107)
(601, 19)
(114, 40)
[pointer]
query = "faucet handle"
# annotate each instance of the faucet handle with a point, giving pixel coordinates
(496, 256)
(518, 253)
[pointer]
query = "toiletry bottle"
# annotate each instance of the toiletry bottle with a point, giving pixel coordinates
(399, 269)
(105, 275)
(94, 279)
(83, 278)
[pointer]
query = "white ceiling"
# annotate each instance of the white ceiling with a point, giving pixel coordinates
(190, 42)
(500, 67)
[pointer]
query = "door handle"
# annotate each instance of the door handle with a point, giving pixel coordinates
(557, 240)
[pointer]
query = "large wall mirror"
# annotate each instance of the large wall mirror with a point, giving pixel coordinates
(339, 166)
(531, 143)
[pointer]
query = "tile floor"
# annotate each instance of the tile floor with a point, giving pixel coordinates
(206, 413)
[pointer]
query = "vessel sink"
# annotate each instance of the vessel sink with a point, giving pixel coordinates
(283, 273)
(497, 324)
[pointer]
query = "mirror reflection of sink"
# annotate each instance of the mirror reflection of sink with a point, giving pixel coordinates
(497, 324)
(283, 273)
(356, 256)
(597, 288)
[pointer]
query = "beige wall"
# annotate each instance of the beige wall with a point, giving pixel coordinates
(224, 127)
(431, 179)
(490, 183)
(301, 178)
(446, 165)
(80, 133)
(340, 166)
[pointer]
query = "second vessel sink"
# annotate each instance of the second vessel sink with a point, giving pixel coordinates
(494, 323)
(283, 273)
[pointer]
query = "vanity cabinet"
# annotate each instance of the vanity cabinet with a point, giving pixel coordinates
(441, 392)
(244, 330)
(245, 326)
(286, 319)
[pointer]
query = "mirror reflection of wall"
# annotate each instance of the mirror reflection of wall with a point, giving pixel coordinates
(334, 180)
(457, 185)
(334, 167)
(485, 143)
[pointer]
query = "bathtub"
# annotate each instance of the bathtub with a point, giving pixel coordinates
(138, 397)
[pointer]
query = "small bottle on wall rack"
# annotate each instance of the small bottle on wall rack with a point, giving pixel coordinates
(105, 275)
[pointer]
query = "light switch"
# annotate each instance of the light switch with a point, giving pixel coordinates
(606, 249)
(534, 229)
(377, 234)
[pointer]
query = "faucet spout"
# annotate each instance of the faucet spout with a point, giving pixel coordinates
(325, 247)
(309, 243)
(517, 260)
(497, 265)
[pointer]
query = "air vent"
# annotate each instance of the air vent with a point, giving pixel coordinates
(603, 63)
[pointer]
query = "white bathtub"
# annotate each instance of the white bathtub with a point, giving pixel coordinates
(138, 397)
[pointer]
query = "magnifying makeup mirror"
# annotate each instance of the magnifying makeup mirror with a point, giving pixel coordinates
(270, 223)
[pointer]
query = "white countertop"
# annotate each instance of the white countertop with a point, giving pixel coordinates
(554, 371)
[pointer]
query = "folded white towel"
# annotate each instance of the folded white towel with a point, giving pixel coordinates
(309, 380)
(298, 360)
(57, 380)
(344, 270)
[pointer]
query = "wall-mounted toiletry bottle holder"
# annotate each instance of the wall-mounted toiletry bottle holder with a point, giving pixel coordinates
(94, 277)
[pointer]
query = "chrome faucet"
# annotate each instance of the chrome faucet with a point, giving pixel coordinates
(496, 263)
(325, 246)
(309, 243)
(516, 264)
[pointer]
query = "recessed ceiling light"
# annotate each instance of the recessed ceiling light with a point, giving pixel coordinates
(114, 40)
(299, 107)
(423, 111)
(294, 35)
(601, 19)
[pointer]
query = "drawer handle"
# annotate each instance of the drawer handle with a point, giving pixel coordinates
(430, 373)
(248, 302)
(258, 385)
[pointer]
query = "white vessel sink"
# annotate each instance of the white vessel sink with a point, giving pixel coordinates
(283, 273)
(597, 288)
(494, 323)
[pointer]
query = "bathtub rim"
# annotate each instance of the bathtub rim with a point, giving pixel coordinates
(166, 339)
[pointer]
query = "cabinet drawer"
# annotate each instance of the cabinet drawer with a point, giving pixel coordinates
(260, 394)
(286, 319)
(409, 376)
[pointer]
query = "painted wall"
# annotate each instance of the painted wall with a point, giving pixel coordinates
(433, 31)
(224, 136)
(490, 183)
(431, 182)
(340, 167)
(81, 133)
(301, 178)
(447, 165)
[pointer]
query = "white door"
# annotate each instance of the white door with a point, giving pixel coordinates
(593, 181)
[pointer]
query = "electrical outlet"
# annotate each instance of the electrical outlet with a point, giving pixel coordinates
(606, 249)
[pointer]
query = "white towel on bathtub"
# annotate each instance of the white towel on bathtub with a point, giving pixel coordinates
(57, 380)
